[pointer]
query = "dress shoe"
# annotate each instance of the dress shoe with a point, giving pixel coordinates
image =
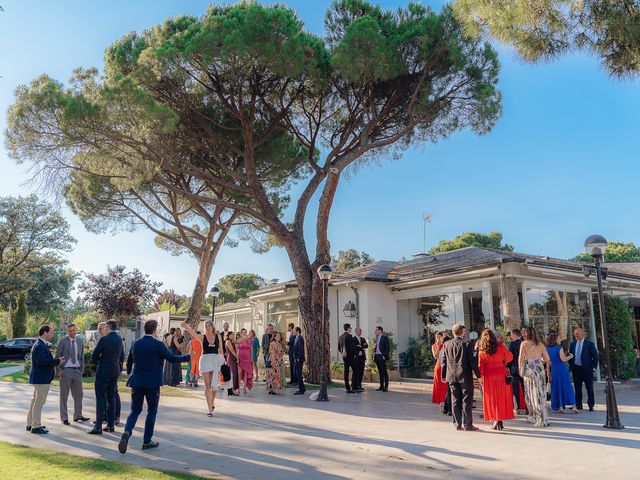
(124, 442)
(39, 430)
(351, 391)
(379, 389)
(385, 389)
(81, 419)
(299, 392)
(149, 445)
(471, 429)
(95, 431)
(591, 409)
(65, 422)
(291, 383)
(109, 429)
(28, 429)
(458, 427)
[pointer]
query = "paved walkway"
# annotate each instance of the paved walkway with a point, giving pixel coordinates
(9, 370)
(393, 435)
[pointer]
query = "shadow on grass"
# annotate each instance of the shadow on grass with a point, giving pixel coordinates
(44, 464)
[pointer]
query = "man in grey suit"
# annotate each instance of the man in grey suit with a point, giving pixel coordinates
(71, 348)
(457, 369)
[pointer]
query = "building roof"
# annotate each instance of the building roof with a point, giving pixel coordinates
(374, 272)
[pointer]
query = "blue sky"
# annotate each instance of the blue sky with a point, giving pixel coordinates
(561, 163)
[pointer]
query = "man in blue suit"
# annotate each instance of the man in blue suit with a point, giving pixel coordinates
(291, 341)
(144, 364)
(108, 355)
(40, 376)
(298, 359)
(582, 365)
(381, 355)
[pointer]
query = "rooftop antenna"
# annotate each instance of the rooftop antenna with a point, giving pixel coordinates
(426, 217)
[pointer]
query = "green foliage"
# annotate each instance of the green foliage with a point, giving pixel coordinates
(235, 286)
(350, 258)
(32, 237)
(417, 359)
(27, 363)
(543, 30)
(19, 323)
(391, 362)
(620, 330)
(472, 239)
(616, 252)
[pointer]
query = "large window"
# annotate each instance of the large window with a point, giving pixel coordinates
(558, 311)
(282, 313)
(438, 312)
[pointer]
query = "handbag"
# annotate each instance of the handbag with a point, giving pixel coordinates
(225, 372)
(508, 379)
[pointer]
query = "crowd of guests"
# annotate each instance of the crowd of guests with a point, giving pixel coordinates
(518, 379)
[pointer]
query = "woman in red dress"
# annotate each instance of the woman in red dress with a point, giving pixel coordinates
(497, 395)
(439, 387)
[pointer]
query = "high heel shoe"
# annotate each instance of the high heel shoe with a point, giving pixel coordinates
(500, 425)
(495, 425)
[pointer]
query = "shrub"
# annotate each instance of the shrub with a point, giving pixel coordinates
(27, 363)
(620, 330)
(89, 366)
(417, 359)
(337, 367)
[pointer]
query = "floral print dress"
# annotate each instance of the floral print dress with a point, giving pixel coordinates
(274, 373)
(535, 391)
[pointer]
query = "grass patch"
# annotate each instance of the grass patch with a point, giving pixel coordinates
(88, 382)
(28, 463)
(10, 364)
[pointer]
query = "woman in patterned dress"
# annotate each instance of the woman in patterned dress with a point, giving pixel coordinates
(245, 368)
(534, 365)
(274, 374)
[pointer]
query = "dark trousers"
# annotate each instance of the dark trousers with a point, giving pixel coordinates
(517, 382)
(118, 406)
(446, 408)
(138, 395)
(358, 372)
(461, 403)
(381, 363)
(292, 368)
(298, 372)
(105, 388)
(582, 375)
(348, 365)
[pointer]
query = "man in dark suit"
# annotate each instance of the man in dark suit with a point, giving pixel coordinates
(144, 365)
(40, 376)
(361, 347)
(299, 358)
(514, 348)
(108, 355)
(457, 369)
(346, 347)
(290, 342)
(380, 356)
(582, 365)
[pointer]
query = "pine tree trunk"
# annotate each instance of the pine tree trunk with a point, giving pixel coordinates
(205, 263)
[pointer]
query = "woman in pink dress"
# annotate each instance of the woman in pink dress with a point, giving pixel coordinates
(245, 366)
(439, 387)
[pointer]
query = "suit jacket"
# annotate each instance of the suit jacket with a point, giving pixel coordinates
(347, 346)
(384, 346)
(266, 343)
(514, 348)
(361, 348)
(64, 350)
(42, 363)
(145, 361)
(290, 342)
(108, 355)
(298, 349)
(457, 364)
(589, 354)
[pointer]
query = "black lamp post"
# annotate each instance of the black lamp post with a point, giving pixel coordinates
(215, 293)
(595, 246)
(324, 272)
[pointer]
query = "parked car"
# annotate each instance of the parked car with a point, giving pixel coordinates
(16, 348)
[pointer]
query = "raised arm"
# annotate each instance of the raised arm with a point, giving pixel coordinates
(563, 357)
(192, 332)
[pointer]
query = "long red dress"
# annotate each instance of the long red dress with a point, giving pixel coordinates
(439, 387)
(497, 396)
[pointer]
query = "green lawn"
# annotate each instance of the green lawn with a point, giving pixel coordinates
(28, 463)
(10, 364)
(22, 377)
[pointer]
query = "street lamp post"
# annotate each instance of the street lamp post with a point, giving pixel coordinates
(595, 246)
(324, 272)
(215, 293)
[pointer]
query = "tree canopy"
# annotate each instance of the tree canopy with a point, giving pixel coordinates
(616, 252)
(540, 30)
(245, 101)
(117, 293)
(235, 286)
(472, 239)
(33, 237)
(351, 258)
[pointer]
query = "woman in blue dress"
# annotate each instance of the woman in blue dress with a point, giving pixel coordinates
(562, 394)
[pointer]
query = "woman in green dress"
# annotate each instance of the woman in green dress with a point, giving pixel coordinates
(534, 365)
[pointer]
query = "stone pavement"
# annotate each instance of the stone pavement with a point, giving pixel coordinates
(393, 435)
